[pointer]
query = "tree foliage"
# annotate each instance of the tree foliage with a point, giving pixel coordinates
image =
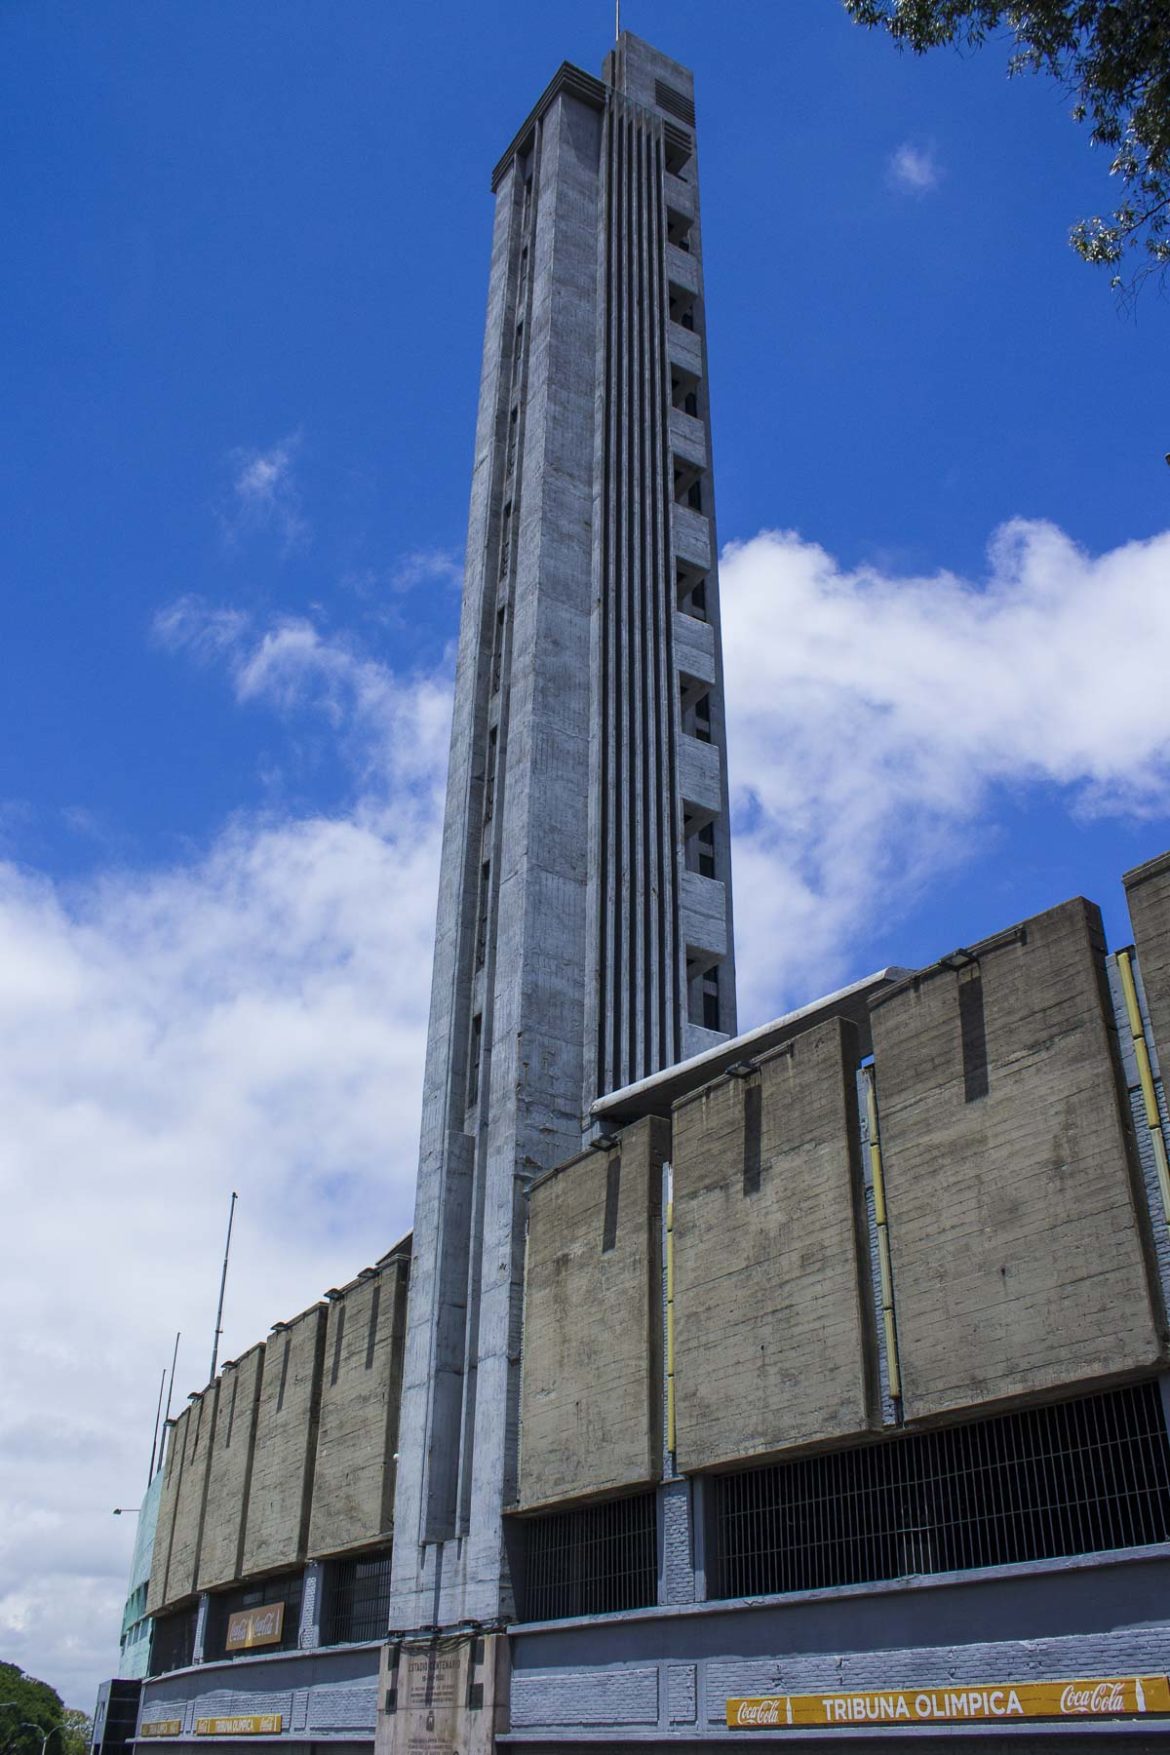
(76, 1731)
(25, 1703)
(1113, 56)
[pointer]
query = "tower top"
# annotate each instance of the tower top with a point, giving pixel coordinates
(633, 67)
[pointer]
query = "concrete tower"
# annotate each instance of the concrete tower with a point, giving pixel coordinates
(584, 933)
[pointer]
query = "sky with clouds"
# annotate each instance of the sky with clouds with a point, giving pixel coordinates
(247, 267)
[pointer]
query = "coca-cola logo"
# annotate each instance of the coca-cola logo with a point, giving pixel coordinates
(1101, 1697)
(758, 1712)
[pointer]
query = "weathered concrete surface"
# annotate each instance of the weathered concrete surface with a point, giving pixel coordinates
(353, 1482)
(187, 1530)
(1019, 1242)
(773, 1332)
(156, 1594)
(1147, 891)
(591, 1398)
(286, 1445)
(230, 1470)
(559, 967)
(446, 1697)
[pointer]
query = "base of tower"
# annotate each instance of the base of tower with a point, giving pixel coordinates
(443, 1694)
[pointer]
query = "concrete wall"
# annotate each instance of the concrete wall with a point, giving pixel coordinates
(230, 1470)
(291, 1450)
(286, 1445)
(773, 1330)
(1147, 890)
(617, 1680)
(1020, 1250)
(353, 1481)
(187, 1530)
(590, 1417)
(156, 1595)
(326, 1697)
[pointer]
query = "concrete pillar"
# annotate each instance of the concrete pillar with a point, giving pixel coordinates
(312, 1599)
(200, 1629)
(676, 1564)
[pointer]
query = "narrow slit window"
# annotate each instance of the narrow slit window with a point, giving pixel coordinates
(506, 541)
(481, 930)
(678, 230)
(684, 392)
(711, 999)
(691, 589)
(498, 650)
(703, 719)
(706, 839)
(489, 781)
(473, 1054)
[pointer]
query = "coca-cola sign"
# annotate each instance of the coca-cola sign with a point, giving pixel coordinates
(249, 1628)
(1099, 1697)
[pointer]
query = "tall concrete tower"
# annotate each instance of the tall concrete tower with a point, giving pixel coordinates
(584, 926)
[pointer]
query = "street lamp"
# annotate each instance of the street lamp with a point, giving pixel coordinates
(127, 1510)
(26, 1724)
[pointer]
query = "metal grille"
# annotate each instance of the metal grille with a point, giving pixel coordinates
(1073, 1479)
(358, 1605)
(172, 1643)
(222, 1606)
(594, 1561)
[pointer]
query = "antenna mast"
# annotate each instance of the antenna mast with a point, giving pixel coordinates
(222, 1287)
(170, 1392)
(617, 19)
(162, 1383)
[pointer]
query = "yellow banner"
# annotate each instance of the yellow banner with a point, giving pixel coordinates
(260, 1724)
(1098, 1697)
(161, 1727)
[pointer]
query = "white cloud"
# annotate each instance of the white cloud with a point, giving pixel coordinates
(441, 567)
(255, 1017)
(914, 169)
(264, 495)
(872, 718)
(393, 730)
(254, 1020)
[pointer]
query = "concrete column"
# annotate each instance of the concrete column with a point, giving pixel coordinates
(676, 1565)
(200, 1629)
(312, 1599)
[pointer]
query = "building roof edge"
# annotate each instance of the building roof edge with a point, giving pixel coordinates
(577, 83)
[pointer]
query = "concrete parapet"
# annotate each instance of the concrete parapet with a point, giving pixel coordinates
(230, 1470)
(191, 1499)
(1147, 891)
(1019, 1238)
(156, 1594)
(286, 1445)
(773, 1332)
(591, 1389)
(353, 1480)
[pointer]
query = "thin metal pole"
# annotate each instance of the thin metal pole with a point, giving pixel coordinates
(170, 1392)
(222, 1287)
(162, 1384)
(617, 19)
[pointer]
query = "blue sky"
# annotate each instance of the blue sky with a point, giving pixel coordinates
(246, 256)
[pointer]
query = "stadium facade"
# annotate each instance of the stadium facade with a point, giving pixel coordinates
(796, 1386)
